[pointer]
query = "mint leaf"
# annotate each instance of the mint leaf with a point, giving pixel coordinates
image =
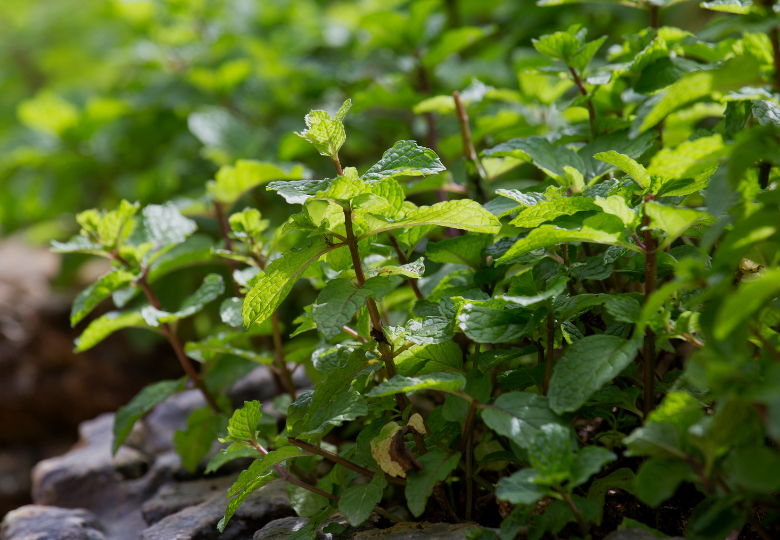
(462, 214)
(549, 210)
(344, 408)
(658, 479)
(299, 191)
(767, 113)
(228, 455)
(466, 249)
(627, 165)
(104, 326)
(146, 400)
(338, 302)
(519, 488)
(357, 502)
(585, 367)
(448, 382)
(243, 423)
(211, 288)
(519, 416)
(89, 298)
(277, 281)
(405, 158)
(326, 133)
(587, 462)
(425, 359)
(542, 153)
(437, 466)
(231, 182)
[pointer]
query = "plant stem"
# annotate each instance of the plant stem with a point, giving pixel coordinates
(654, 16)
(219, 215)
(774, 37)
(576, 512)
(763, 174)
(550, 348)
(337, 164)
(476, 173)
(354, 334)
(651, 270)
(335, 458)
(185, 362)
(584, 92)
(403, 260)
(290, 478)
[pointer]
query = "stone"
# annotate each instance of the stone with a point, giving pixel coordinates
(36, 522)
(281, 529)
(176, 496)
(199, 522)
(112, 487)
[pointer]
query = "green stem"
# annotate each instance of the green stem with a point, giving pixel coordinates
(576, 512)
(476, 173)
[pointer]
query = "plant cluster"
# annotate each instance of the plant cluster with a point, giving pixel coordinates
(609, 322)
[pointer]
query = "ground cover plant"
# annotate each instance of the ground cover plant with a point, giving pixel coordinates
(584, 338)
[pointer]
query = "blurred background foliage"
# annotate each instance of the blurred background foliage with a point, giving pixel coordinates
(145, 99)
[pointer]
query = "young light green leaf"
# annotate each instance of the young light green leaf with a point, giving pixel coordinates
(146, 400)
(519, 416)
(325, 133)
(586, 366)
(437, 466)
(549, 210)
(583, 57)
(673, 220)
(616, 205)
(447, 382)
(338, 302)
(165, 226)
(739, 306)
(688, 159)
(558, 46)
(104, 326)
(230, 454)
(90, 297)
(231, 182)
(243, 423)
(627, 165)
(405, 158)
(299, 191)
(278, 279)
(463, 214)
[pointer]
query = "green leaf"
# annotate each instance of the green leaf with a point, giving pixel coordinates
(466, 249)
(337, 382)
(405, 158)
(453, 41)
(737, 7)
(299, 191)
(689, 158)
(326, 133)
(277, 281)
(616, 205)
(413, 270)
(673, 220)
(767, 113)
(247, 224)
(146, 400)
(581, 60)
(344, 408)
(549, 210)
(243, 423)
(655, 439)
(165, 226)
(338, 302)
(425, 359)
(600, 229)
(542, 153)
(437, 466)
(211, 288)
(231, 182)
(519, 416)
(229, 454)
(739, 306)
(551, 453)
(489, 325)
(255, 477)
(519, 488)
(78, 244)
(558, 46)
(104, 326)
(624, 308)
(733, 74)
(193, 443)
(309, 531)
(586, 366)
(747, 468)
(587, 462)
(463, 214)
(357, 502)
(658, 479)
(446, 382)
(90, 297)
(627, 165)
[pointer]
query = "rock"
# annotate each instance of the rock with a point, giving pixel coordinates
(634, 534)
(35, 522)
(200, 521)
(112, 487)
(418, 531)
(281, 529)
(176, 496)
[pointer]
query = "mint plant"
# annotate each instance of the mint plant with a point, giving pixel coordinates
(602, 314)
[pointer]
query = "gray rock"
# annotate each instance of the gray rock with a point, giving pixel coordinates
(281, 529)
(200, 521)
(634, 534)
(35, 522)
(418, 531)
(176, 496)
(112, 487)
